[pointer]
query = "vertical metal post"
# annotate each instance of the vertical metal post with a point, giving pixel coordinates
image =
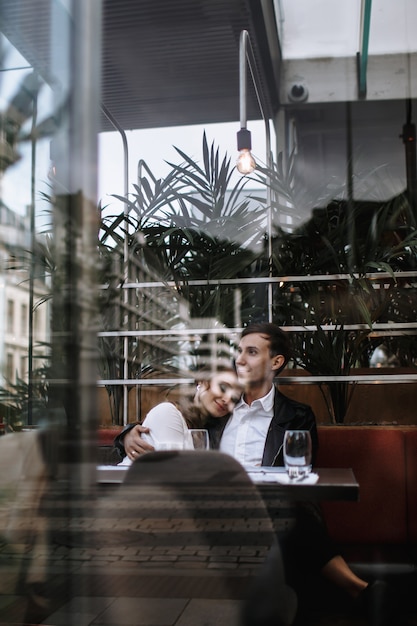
(32, 259)
(246, 56)
(117, 126)
(362, 56)
(409, 140)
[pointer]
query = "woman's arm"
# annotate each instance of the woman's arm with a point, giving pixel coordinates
(166, 425)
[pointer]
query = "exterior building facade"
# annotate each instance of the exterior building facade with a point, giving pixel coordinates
(18, 295)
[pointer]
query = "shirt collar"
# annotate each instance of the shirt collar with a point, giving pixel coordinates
(266, 401)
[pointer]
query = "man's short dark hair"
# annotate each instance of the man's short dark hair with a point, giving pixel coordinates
(279, 339)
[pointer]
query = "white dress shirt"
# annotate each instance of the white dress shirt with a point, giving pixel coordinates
(245, 433)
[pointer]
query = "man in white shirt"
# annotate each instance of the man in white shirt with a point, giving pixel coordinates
(254, 433)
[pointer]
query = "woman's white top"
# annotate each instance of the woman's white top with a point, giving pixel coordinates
(168, 429)
(166, 425)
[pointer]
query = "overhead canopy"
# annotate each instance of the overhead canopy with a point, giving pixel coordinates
(164, 63)
(171, 63)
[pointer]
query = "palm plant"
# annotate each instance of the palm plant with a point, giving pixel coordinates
(205, 234)
(197, 225)
(354, 239)
(190, 228)
(195, 229)
(16, 398)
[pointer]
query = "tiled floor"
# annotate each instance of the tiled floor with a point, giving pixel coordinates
(83, 593)
(86, 594)
(147, 612)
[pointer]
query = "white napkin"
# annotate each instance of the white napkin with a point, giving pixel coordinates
(126, 461)
(263, 476)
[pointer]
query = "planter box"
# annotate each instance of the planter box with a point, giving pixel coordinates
(382, 403)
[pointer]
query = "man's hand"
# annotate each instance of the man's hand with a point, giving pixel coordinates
(134, 444)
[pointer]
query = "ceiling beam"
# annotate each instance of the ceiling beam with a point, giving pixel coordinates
(334, 79)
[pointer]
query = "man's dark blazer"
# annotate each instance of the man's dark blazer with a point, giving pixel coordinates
(288, 415)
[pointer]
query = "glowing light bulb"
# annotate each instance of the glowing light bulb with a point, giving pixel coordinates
(245, 163)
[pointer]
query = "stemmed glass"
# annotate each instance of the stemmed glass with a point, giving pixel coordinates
(198, 439)
(297, 453)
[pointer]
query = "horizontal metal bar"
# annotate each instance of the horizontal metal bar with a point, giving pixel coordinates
(193, 332)
(271, 279)
(146, 381)
(364, 379)
(360, 379)
(175, 332)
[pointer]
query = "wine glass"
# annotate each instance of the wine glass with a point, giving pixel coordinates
(297, 453)
(198, 439)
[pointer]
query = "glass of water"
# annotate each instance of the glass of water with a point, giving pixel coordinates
(198, 439)
(297, 453)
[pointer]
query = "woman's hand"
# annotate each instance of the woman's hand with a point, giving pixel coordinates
(134, 444)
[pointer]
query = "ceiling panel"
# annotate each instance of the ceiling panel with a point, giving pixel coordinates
(172, 63)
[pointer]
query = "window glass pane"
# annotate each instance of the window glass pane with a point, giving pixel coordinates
(10, 316)
(133, 253)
